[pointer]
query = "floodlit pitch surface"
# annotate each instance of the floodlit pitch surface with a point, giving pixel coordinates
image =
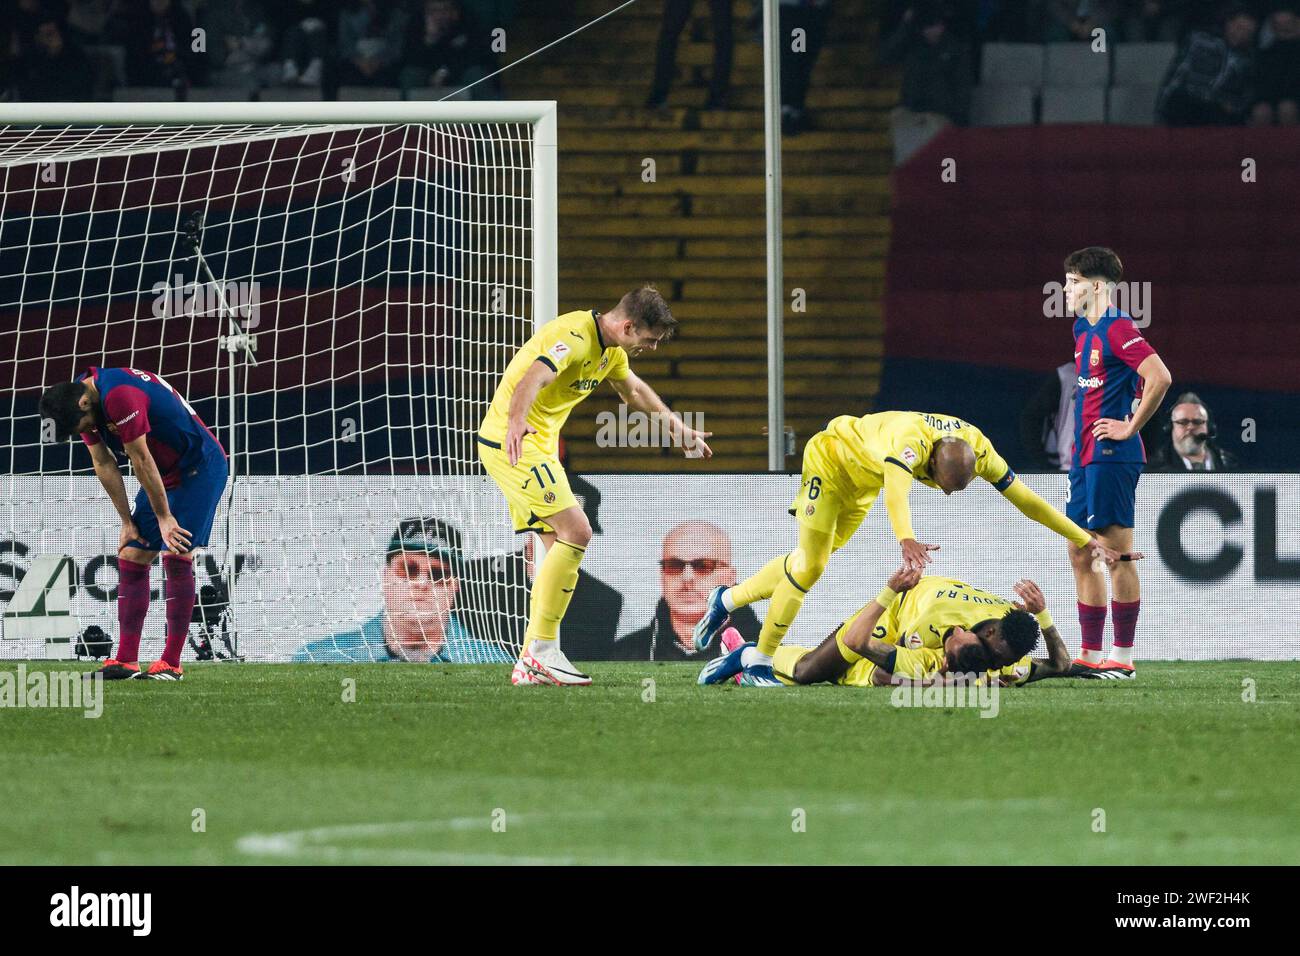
(441, 764)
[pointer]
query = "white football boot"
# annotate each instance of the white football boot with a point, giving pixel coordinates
(545, 663)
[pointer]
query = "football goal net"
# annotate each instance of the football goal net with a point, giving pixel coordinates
(335, 288)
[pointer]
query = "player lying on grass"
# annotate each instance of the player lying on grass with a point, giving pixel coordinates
(920, 629)
(181, 468)
(558, 367)
(845, 467)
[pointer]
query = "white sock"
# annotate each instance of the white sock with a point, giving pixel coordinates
(541, 645)
(752, 655)
(1122, 655)
(1091, 656)
(727, 602)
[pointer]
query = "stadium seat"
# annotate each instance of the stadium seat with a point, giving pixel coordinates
(1133, 105)
(1142, 64)
(289, 94)
(1075, 65)
(1074, 104)
(1002, 105)
(1012, 64)
(369, 93)
(219, 94)
(144, 94)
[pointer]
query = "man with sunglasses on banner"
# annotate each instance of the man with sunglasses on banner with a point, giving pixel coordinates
(420, 582)
(696, 559)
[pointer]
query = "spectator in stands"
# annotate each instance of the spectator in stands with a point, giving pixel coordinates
(936, 65)
(445, 48)
(304, 28)
(696, 559)
(1210, 81)
(1189, 440)
(1279, 70)
(24, 19)
(1047, 422)
(240, 42)
(370, 43)
(1076, 19)
(160, 46)
(54, 68)
(810, 16)
(676, 15)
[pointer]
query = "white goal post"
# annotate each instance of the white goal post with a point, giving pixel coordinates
(356, 277)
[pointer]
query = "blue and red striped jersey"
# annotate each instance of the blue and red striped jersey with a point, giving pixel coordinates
(139, 403)
(1106, 358)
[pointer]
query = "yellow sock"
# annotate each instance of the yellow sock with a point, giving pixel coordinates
(787, 599)
(552, 589)
(784, 661)
(759, 586)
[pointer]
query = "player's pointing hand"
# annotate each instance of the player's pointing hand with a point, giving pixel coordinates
(694, 445)
(916, 554)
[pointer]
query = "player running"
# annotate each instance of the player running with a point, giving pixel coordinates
(558, 367)
(920, 628)
(182, 472)
(1121, 382)
(845, 467)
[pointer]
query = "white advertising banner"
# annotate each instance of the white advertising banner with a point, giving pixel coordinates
(1221, 578)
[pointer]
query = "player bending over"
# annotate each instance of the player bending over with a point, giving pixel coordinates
(181, 468)
(558, 367)
(845, 467)
(1120, 385)
(921, 628)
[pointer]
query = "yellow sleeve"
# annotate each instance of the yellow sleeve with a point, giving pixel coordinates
(989, 465)
(618, 367)
(917, 663)
(898, 484)
(557, 345)
(1035, 508)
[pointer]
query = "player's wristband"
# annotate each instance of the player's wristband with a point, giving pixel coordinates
(886, 597)
(1044, 619)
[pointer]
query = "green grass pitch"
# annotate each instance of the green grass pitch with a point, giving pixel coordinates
(438, 764)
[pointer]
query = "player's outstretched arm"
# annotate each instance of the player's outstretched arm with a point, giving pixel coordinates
(146, 472)
(521, 402)
(638, 395)
(1032, 506)
(898, 485)
(1057, 663)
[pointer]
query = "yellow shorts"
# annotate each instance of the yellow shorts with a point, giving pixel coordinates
(828, 501)
(535, 487)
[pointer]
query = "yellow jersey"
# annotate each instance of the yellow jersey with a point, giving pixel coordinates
(872, 443)
(572, 347)
(920, 618)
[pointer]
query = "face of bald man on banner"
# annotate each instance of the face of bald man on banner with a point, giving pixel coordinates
(696, 559)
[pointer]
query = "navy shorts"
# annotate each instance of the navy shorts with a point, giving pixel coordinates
(1103, 494)
(193, 502)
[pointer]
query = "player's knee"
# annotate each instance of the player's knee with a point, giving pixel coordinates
(578, 531)
(806, 567)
